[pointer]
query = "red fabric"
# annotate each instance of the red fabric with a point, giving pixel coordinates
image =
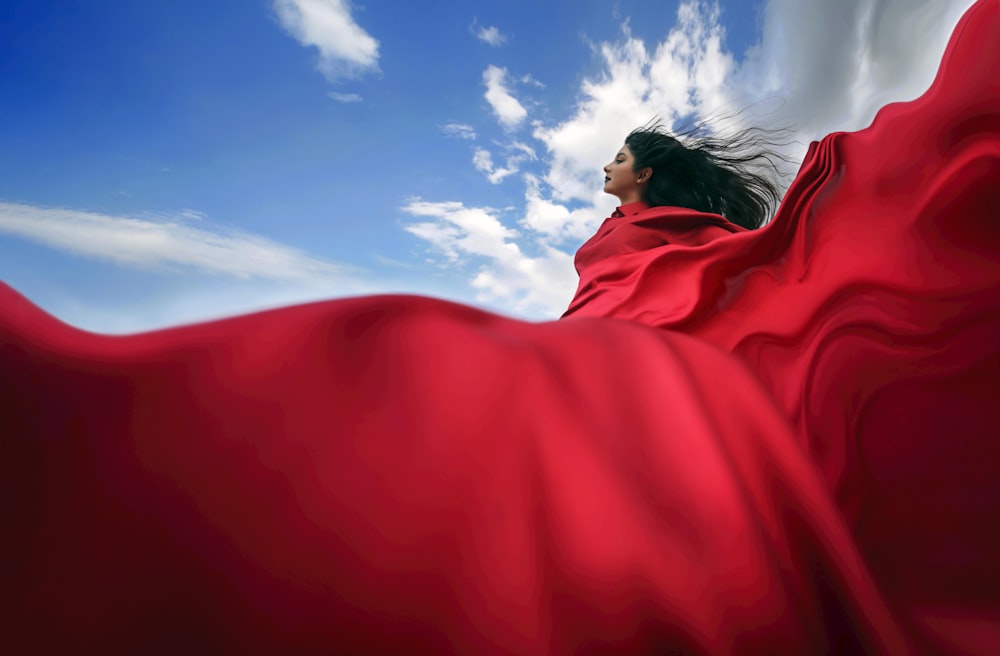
(870, 310)
(637, 229)
(789, 447)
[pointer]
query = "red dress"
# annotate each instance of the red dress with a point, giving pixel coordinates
(782, 441)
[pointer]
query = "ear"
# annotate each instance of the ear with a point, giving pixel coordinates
(644, 174)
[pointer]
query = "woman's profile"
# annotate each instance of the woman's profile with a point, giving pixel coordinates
(711, 174)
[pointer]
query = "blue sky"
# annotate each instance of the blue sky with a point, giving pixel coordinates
(163, 163)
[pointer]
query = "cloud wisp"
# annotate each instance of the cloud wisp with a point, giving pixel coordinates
(518, 153)
(170, 244)
(346, 98)
(459, 130)
(345, 49)
(490, 35)
(508, 110)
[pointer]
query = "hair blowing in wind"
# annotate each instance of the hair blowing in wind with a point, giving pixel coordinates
(732, 173)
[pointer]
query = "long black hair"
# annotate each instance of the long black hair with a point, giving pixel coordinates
(732, 174)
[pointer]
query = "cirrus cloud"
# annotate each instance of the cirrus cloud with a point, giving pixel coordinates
(168, 243)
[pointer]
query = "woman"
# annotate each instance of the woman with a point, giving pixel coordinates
(676, 193)
(710, 175)
(805, 462)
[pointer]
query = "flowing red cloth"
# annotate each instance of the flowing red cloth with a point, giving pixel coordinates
(790, 446)
(870, 310)
(636, 229)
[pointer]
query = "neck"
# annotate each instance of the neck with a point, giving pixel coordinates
(631, 198)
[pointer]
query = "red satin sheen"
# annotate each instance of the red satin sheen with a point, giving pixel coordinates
(790, 447)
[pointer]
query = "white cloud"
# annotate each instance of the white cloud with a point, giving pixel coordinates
(346, 97)
(482, 159)
(538, 286)
(459, 130)
(490, 35)
(525, 149)
(193, 215)
(833, 65)
(169, 244)
(457, 229)
(554, 223)
(345, 50)
(518, 153)
(508, 110)
(530, 79)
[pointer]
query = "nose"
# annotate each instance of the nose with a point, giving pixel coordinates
(606, 167)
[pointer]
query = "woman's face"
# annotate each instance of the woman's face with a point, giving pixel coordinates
(622, 180)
